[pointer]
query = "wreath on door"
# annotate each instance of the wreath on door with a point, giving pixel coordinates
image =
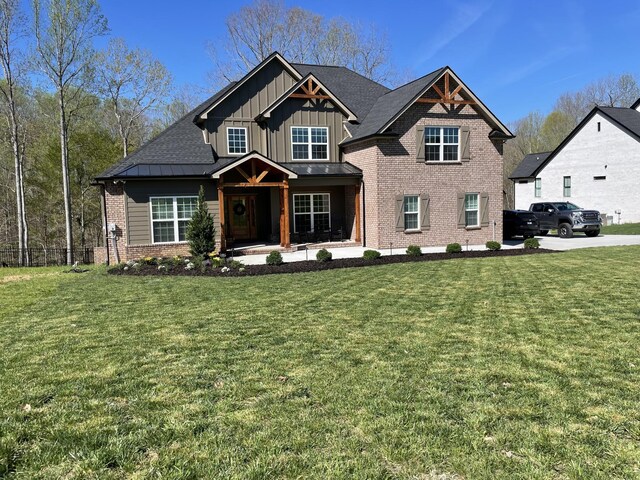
(239, 209)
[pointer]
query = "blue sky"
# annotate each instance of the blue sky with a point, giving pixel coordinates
(517, 56)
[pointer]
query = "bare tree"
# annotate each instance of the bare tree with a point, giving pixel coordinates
(612, 91)
(12, 23)
(257, 30)
(134, 83)
(64, 32)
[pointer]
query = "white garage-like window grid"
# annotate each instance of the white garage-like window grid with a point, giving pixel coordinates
(170, 217)
(442, 144)
(311, 212)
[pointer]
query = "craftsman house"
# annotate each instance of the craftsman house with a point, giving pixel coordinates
(292, 154)
(597, 166)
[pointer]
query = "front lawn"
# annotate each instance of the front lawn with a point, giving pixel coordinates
(506, 367)
(622, 229)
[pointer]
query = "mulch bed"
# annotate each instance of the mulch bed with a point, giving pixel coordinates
(313, 265)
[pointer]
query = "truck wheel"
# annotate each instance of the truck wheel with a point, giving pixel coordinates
(592, 233)
(565, 230)
(543, 233)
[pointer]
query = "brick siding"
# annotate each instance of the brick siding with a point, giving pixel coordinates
(391, 168)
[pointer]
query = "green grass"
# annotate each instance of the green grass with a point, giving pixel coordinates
(522, 367)
(622, 229)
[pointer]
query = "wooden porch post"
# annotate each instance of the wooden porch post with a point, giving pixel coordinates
(287, 235)
(357, 209)
(223, 243)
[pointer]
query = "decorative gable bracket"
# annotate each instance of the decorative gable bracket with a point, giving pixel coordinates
(310, 90)
(448, 97)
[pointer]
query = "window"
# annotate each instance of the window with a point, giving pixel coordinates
(170, 217)
(566, 183)
(411, 209)
(471, 210)
(600, 177)
(237, 140)
(311, 212)
(441, 144)
(538, 187)
(310, 143)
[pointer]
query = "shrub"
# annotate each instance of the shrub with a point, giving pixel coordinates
(531, 243)
(371, 254)
(324, 255)
(493, 245)
(236, 264)
(201, 230)
(274, 258)
(149, 261)
(454, 248)
(414, 251)
(217, 262)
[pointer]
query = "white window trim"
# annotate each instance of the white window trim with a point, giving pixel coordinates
(472, 210)
(441, 144)
(246, 141)
(416, 213)
(537, 188)
(176, 229)
(310, 159)
(312, 213)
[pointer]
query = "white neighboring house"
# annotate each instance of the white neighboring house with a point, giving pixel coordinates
(596, 167)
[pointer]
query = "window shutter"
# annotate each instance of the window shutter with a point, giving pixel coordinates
(465, 147)
(399, 213)
(461, 222)
(425, 222)
(420, 143)
(484, 209)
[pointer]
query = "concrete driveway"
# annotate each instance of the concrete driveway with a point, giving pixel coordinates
(580, 240)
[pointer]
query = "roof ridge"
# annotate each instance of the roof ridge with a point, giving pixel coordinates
(344, 68)
(416, 80)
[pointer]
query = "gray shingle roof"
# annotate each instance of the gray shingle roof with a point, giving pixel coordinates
(181, 143)
(389, 104)
(627, 117)
(355, 91)
(529, 165)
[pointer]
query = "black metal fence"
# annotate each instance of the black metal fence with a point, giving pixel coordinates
(41, 257)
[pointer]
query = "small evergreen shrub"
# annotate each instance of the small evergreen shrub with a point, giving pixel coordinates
(371, 254)
(531, 243)
(454, 248)
(324, 255)
(237, 264)
(414, 251)
(274, 258)
(493, 245)
(201, 229)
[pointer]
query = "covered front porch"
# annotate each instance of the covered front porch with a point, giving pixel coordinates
(265, 203)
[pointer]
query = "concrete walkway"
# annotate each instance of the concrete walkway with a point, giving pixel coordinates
(551, 242)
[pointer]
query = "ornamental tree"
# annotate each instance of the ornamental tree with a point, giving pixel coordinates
(201, 230)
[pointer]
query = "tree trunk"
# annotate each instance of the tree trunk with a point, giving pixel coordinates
(66, 190)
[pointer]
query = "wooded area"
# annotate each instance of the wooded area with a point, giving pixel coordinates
(68, 111)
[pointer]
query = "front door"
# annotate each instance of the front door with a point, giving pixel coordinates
(241, 215)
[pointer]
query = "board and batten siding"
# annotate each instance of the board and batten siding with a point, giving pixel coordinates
(243, 105)
(296, 112)
(139, 210)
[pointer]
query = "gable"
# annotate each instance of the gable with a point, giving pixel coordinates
(601, 128)
(442, 87)
(256, 93)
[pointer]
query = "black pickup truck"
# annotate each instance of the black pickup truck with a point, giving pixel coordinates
(566, 218)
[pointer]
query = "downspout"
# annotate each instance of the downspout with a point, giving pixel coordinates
(103, 201)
